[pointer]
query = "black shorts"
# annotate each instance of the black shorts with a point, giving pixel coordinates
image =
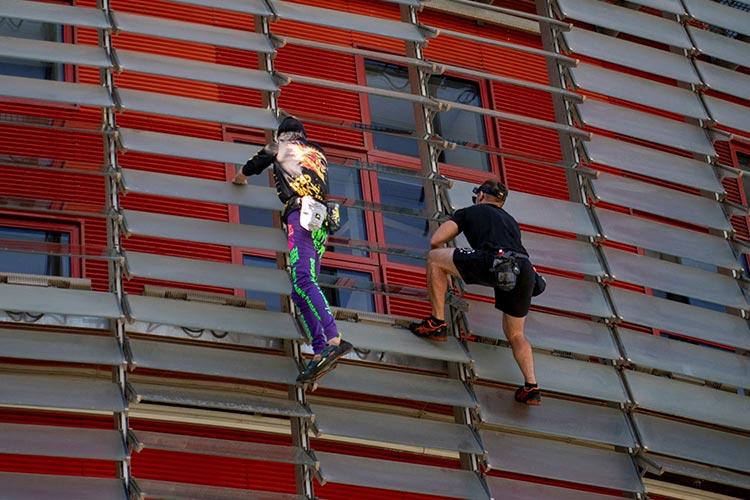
(475, 265)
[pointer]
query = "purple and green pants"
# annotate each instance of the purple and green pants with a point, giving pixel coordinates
(306, 250)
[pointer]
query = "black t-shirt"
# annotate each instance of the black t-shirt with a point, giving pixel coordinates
(489, 227)
(300, 168)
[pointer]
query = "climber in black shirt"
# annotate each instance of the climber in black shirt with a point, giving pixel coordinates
(491, 232)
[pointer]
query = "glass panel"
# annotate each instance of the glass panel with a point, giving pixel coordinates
(257, 216)
(345, 297)
(388, 112)
(460, 126)
(402, 230)
(33, 30)
(27, 263)
(455, 125)
(345, 182)
(271, 300)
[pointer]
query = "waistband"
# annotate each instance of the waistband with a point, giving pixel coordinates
(511, 253)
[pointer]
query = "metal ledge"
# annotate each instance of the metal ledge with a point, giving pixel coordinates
(54, 13)
(45, 300)
(402, 476)
(191, 188)
(220, 318)
(212, 362)
(66, 53)
(344, 20)
(691, 401)
(146, 440)
(54, 441)
(582, 465)
(201, 272)
(707, 446)
(192, 32)
(381, 427)
(572, 420)
(631, 55)
(691, 321)
(162, 490)
(63, 392)
(204, 231)
(60, 347)
(554, 373)
(188, 69)
(402, 385)
(215, 400)
(41, 486)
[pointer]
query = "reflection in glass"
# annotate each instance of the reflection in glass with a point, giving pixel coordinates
(345, 297)
(23, 28)
(271, 300)
(345, 183)
(401, 230)
(455, 125)
(28, 263)
(257, 216)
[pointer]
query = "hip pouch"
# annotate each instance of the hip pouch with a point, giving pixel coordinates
(505, 270)
(312, 213)
(333, 217)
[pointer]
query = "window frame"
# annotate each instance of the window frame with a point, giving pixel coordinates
(736, 149)
(69, 71)
(410, 162)
(72, 227)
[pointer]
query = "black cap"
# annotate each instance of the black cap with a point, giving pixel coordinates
(491, 187)
(291, 124)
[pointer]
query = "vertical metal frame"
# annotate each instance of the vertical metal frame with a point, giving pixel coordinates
(428, 155)
(114, 237)
(299, 427)
(578, 186)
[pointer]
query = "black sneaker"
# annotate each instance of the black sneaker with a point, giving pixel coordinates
(430, 328)
(529, 395)
(309, 371)
(328, 357)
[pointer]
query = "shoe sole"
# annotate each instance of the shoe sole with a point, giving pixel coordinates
(532, 402)
(332, 362)
(431, 336)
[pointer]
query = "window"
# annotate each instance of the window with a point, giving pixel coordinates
(454, 125)
(257, 216)
(23, 28)
(271, 300)
(35, 263)
(743, 163)
(347, 297)
(404, 230)
(345, 184)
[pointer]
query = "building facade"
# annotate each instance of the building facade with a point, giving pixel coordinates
(149, 344)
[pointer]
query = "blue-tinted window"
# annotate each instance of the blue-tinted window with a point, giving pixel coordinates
(345, 182)
(272, 300)
(23, 28)
(257, 216)
(34, 263)
(389, 113)
(458, 126)
(404, 230)
(347, 297)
